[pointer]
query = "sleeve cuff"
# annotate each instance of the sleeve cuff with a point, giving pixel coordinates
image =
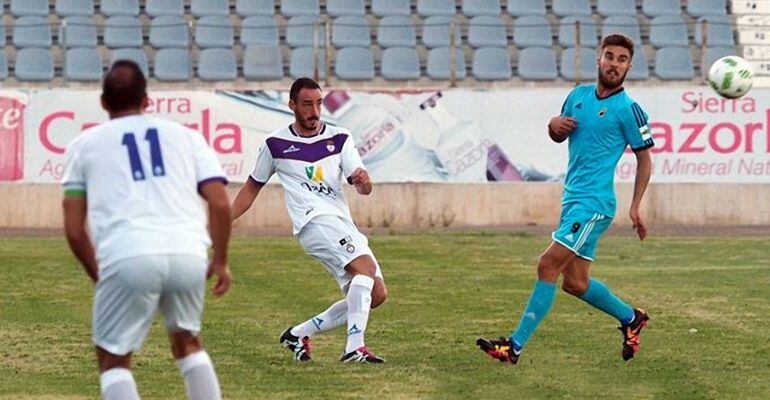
(206, 181)
(644, 147)
(256, 182)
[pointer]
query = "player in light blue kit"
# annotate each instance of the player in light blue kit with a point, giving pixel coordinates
(600, 121)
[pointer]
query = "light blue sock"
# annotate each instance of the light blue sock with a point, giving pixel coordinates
(601, 297)
(539, 304)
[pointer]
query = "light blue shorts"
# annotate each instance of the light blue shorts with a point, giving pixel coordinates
(580, 229)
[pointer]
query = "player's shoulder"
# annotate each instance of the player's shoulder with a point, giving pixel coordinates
(283, 132)
(332, 131)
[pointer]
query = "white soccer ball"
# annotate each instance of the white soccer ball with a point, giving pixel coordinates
(731, 77)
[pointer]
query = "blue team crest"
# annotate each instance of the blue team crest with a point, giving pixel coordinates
(330, 145)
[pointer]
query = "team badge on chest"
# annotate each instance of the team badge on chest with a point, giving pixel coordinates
(602, 112)
(330, 145)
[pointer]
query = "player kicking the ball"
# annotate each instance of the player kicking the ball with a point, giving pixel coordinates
(600, 121)
(313, 161)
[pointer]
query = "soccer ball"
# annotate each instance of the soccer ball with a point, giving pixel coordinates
(731, 77)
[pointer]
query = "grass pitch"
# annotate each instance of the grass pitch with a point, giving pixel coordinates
(446, 289)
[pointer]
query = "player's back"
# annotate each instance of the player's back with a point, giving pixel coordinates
(141, 176)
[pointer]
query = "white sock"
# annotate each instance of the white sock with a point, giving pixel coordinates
(334, 316)
(359, 302)
(199, 377)
(118, 384)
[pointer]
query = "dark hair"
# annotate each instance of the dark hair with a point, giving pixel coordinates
(302, 83)
(619, 39)
(124, 86)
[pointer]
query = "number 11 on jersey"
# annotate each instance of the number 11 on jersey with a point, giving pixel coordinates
(156, 157)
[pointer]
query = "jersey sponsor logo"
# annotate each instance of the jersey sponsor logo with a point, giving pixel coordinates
(315, 173)
(291, 149)
(319, 188)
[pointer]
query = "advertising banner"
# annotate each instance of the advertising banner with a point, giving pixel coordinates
(454, 135)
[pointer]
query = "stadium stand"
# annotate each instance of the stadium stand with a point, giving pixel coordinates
(690, 31)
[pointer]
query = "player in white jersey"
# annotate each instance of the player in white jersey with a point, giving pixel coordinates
(137, 180)
(313, 161)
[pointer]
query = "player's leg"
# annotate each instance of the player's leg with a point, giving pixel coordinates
(363, 269)
(125, 302)
(181, 304)
(551, 263)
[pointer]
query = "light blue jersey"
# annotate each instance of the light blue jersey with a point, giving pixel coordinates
(604, 128)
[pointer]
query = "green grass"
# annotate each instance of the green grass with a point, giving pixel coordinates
(446, 289)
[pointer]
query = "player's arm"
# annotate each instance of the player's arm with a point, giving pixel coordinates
(74, 208)
(219, 228)
(245, 197)
(360, 179)
(560, 127)
(643, 172)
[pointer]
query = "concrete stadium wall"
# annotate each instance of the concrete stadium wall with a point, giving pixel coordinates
(413, 206)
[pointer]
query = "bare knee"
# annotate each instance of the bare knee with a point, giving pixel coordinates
(108, 361)
(574, 287)
(362, 265)
(379, 293)
(184, 343)
(548, 267)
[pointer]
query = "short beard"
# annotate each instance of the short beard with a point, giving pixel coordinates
(305, 125)
(609, 85)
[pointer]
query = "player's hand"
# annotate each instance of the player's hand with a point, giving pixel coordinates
(360, 177)
(224, 277)
(562, 126)
(638, 223)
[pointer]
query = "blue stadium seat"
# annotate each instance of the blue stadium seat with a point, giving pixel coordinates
(587, 68)
(34, 64)
(518, 8)
(259, 29)
(293, 8)
(78, 31)
(263, 63)
(3, 67)
(201, 8)
(299, 31)
(248, 8)
(400, 63)
(532, 31)
(607, 8)
(487, 31)
(639, 69)
(656, 8)
(537, 64)
(475, 8)
(354, 63)
(588, 32)
(394, 31)
(217, 65)
(136, 55)
(340, 8)
(626, 25)
(112, 8)
(301, 63)
(32, 32)
(83, 64)
(427, 8)
(438, 64)
(491, 64)
(169, 31)
(715, 53)
(214, 31)
(172, 64)
(68, 8)
(674, 63)
(384, 8)
(668, 30)
(351, 31)
(23, 8)
(564, 8)
(719, 31)
(435, 31)
(157, 8)
(123, 31)
(700, 8)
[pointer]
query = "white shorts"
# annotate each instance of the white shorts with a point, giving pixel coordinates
(130, 291)
(335, 242)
